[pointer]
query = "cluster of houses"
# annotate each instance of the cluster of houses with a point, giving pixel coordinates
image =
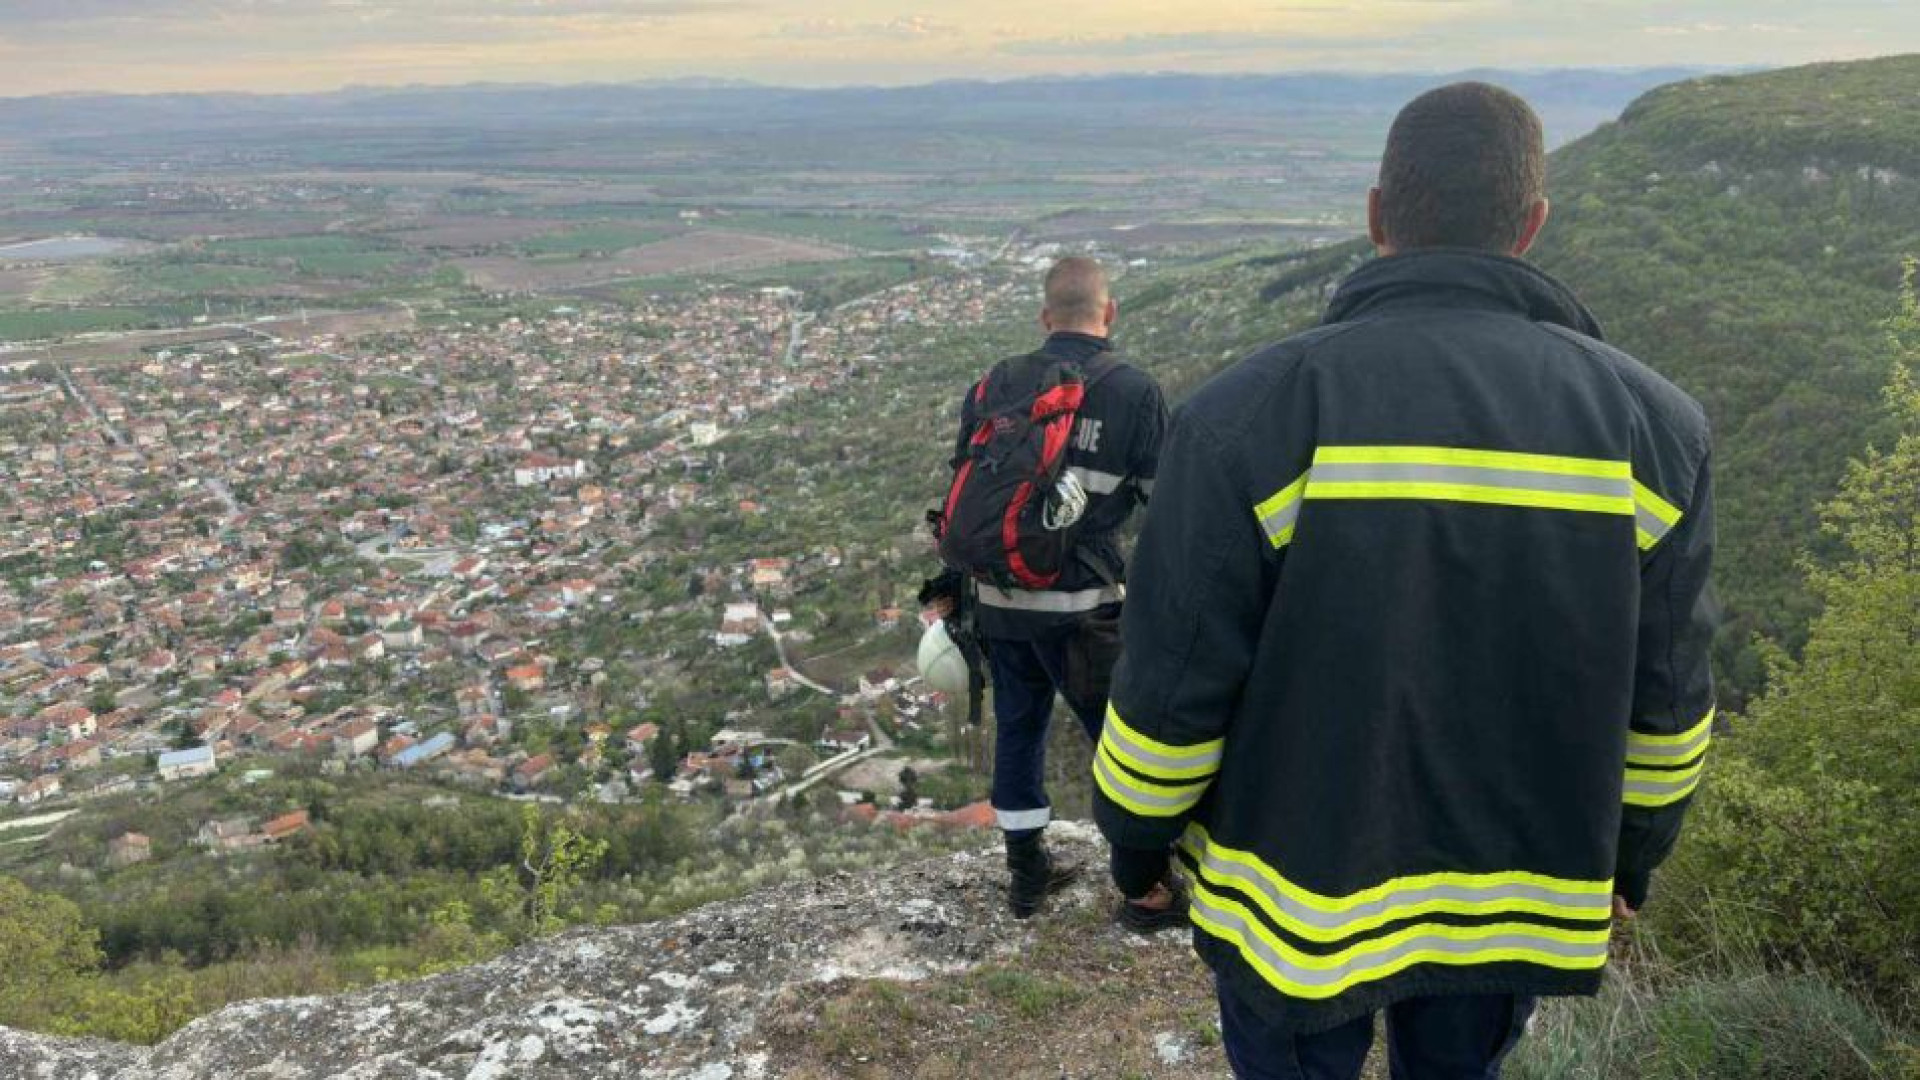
(228, 539)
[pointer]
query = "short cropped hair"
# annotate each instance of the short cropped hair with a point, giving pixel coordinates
(1464, 164)
(1077, 290)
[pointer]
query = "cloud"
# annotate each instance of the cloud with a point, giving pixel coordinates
(1189, 44)
(30, 13)
(902, 28)
(1714, 28)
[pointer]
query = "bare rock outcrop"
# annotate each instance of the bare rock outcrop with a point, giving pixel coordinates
(682, 999)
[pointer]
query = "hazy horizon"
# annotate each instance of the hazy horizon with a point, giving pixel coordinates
(721, 82)
(295, 46)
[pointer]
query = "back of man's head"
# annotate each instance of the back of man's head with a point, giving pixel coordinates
(1465, 166)
(1077, 295)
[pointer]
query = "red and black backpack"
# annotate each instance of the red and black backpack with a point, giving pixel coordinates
(1007, 520)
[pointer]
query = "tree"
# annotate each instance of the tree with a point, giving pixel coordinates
(909, 787)
(44, 943)
(661, 756)
(554, 858)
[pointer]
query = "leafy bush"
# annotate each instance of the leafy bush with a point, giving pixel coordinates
(1807, 833)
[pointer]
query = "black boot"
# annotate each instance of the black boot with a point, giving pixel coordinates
(1145, 920)
(1035, 875)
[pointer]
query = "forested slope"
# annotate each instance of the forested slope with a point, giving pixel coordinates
(1744, 235)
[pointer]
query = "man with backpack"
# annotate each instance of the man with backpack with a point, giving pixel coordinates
(1055, 450)
(1417, 665)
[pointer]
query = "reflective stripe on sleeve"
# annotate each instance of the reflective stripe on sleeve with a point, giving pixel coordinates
(1664, 769)
(1281, 511)
(1143, 797)
(1646, 787)
(1095, 481)
(1670, 749)
(1158, 760)
(1058, 603)
(1654, 517)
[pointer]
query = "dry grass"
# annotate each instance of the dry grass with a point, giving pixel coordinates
(1083, 1000)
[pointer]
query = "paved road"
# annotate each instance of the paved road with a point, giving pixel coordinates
(798, 337)
(795, 789)
(86, 403)
(780, 646)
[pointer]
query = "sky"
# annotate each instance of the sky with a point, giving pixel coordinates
(58, 46)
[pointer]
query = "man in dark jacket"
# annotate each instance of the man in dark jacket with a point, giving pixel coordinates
(1112, 455)
(1416, 656)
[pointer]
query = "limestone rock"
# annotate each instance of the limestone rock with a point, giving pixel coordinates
(674, 1000)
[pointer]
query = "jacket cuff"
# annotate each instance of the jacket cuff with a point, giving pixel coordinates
(1137, 870)
(1633, 887)
(1126, 830)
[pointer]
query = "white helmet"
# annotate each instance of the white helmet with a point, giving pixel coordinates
(941, 663)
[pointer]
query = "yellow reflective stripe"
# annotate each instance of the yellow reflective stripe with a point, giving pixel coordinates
(1482, 459)
(1281, 498)
(1654, 516)
(1471, 493)
(1645, 749)
(1197, 838)
(1157, 758)
(1306, 975)
(1662, 787)
(1147, 800)
(1281, 512)
(1668, 513)
(1314, 918)
(1488, 477)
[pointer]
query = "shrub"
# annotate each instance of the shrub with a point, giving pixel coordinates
(1753, 1025)
(1808, 827)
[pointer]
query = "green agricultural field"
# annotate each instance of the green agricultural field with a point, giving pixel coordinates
(76, 283)
(194, 279)
(318, 256)
(36, 324)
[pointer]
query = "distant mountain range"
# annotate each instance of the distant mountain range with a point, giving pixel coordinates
(1580, 93)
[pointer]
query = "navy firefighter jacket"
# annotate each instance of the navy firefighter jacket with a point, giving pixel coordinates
(1416, 648)
(1114, 452)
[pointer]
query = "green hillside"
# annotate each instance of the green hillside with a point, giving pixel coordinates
(1744, 236)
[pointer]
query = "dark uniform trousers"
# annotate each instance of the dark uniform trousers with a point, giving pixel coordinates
(1458, 1037)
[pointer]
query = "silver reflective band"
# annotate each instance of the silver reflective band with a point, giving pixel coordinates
(1021, 820)
(1146, 488)
(1170, 769)
(1473, 475)
(1439, 945)
(1684, 781)
(1100, 483)
(1279, 525)
(1404, 903)
(1650, 523)
(1058, 603)
(1638, 751)
(1151, 802)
